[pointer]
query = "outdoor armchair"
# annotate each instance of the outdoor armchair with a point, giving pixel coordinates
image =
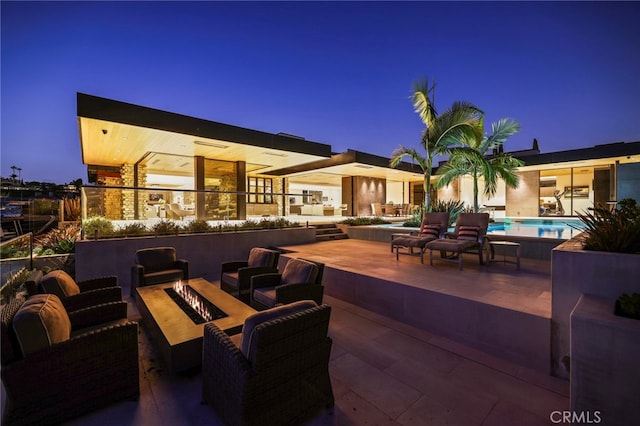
(301, 279)
(279, 373)
(157, 265)
(58, 365)
(75, 294)
(235, 276)
(469, 235)
(433, 227)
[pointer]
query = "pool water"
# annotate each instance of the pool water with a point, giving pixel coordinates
(562, 229)
(538, 228)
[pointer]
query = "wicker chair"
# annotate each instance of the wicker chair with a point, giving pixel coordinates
(58, 365)
(301, 279)
(279, 375)
(75, 294)
(235, 276)
(157, 265)
(469, 235)
(433, 227)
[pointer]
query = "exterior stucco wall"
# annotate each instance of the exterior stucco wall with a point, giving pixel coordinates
(523, 200)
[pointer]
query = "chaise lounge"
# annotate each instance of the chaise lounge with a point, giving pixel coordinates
(433, 227)
(469, 234)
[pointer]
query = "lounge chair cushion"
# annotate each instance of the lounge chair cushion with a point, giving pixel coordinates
(255, 320)
(41, 322)
(59, 283)
(298, 271)
(468, 233)
(430, 230)
(413, 240)
(260, 257)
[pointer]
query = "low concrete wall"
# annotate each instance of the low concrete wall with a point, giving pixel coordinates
(205, 252)
(530, 248)
(575, 272)
(605, 350)
(489, 328)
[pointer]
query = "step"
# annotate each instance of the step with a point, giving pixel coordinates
(329, 237)
(325, 231)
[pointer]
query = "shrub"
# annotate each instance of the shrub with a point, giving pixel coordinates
(166, 227)
(628, 306)
(72, 210)
(45, 206)
(361, 221)
(13, 285)
(97, 224)
(613, 231)
(453, 207)
(198, 226)
(133, 229)
(58, 240)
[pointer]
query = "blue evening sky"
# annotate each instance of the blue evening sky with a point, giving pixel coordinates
(333, 72)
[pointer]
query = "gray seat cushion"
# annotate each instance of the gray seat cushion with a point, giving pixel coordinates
(256, 319)
(265, 296)
(231, 278)
(59, 283)
(298, 271)
(261, 257)
(41, 322)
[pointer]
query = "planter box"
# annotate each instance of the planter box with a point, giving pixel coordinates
(575, 272)
(205, 252)
(605, 352)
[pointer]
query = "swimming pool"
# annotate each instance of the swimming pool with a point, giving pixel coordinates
(556, 228)
(562, 229)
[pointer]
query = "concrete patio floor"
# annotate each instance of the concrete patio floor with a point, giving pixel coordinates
(385, 370)
(383, 373)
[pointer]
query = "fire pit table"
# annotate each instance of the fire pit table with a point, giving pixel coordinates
(175, 314)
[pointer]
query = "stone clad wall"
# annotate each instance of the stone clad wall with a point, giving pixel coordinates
(128, 195)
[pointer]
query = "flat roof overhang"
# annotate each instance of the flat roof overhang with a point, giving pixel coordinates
(599, 155)
(350, 163)
(113, 133)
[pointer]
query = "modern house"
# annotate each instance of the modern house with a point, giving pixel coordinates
(150, 163)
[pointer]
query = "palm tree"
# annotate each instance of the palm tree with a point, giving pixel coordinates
(474, 159)
(461, 120)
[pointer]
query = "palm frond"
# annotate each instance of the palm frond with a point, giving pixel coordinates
(401, 152)
(422, 103)
(501, 130)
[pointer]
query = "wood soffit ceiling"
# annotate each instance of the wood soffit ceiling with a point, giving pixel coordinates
(109, 143)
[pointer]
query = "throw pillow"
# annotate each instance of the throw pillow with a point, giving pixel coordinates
(430, 231)
(468, 233)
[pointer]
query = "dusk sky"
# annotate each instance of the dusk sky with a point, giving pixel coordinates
(339, 73)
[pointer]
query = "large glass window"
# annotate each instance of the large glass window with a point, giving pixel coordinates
(260, 190)
(567, 192)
